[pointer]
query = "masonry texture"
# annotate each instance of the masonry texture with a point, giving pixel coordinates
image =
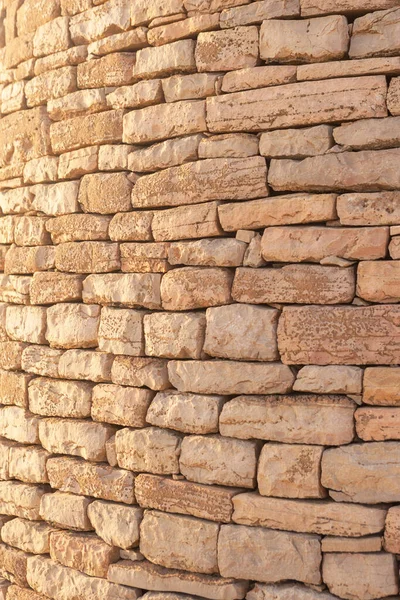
(199, 299)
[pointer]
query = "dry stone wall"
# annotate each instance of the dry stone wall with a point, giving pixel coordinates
(199, 319)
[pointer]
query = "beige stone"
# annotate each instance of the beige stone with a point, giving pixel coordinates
(73, 325)
(50, 85)
(151, 450)
(188, 413)
(78, 227)
(146, 575)
(190, 288)
(369, 543)
(190, 87)
(11, 355)
(257, 553)
(73, 7)
(177, 57)
(13, 564)
(227, 50)
(78, 103)
(294, 284)
(185, 497)
(56, 199)
(33, 14)
(290, 471)
(15, 592)
(348, 68)
(329, 380)
(52, 398)
(202, 181)
(78, 162)
(319, 7)
(144, 258)
(181, 29)
(143, 12)
(87, 257)
(121, 405)
(99, 22)
(288, 591)
(230, 145)
(321, 335)
(78, 476)
(372, 134)
(391, 538)
(24, 136)
(381, 386)
(14, 388)
(41, 170)
(229, 377)
(360, 576)
(51, 287)
(111, 70)
(31, 231)
(29, 536)
(139, 95)
(15, 289)
(394, 248)
(382, 208)
(219, 460)
(27, 260)
(86, 130)
(114, 157)
(375, 34)
(128, 40)
(7, 227)
(393, 97)
(105, 193)
(18, 50)
(131, 289)
(19, 425)
(13, 98)
(121, 331)
(298, 104)
(73, 56)
(368, 472)
(41, 360)
(21, 499)
(179, 542)
(26, 324)
(257, 12)
(51, 37)
(156, 123)
(116, 524)
(227, 252)
(296, 143)
(378, 281)
(322, 517)
(86, 364)
(28, 464)
(75, 437)
(131, 226)
(299, 419)
(16, 201)
(65, 511)
(174, 335)
(377, 424)
(165, 154)
(139, 372)
(182, 222)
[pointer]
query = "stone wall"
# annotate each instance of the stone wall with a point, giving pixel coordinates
(199, 318)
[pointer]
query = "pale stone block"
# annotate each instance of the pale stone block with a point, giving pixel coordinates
(35, 13)
(181, 29)
(105, 193)
(41, 170)
(14, 387)
(287, 591)
(87, 257)
(329, 380)
(28, 464)
(190, 87)
(348, 68)
(13, 564)
(227, 50)
(27, 260)
(227, 252)
(189, 288)
(52, 37)
(369, 134)
(15, 592)
(139, 95)
(33, 126)
(18, 201)
(297, 143)
(376, 34)
(177, 57)
(13, 289)
(73, 56)
(256, 12)
(116, 524)
(121, 331)
(77, 104)
(78, 162)
(165, 154)
(128, 40)
(50, 85)
(41, 360)
(73, 325)
(381, 386)
(29, 536)
(377, 424)
(144, 258)
(99, 22)
(129, 289)
(382, 208)
(26, 324)
(369, 543)
(133, 226)
(311, 8)
(393, 97)
(174, 335)
(187, 222)
(11, 355)
(379, 281)
(56, 398)
(21, 499)
(13, 97)
(19, 425)
(31, 231)
(114, 69)
(258, 77)
(140, 372)
(152, 450)
(78, 227)
(230, 145)
(143, 12)
(56, 199)
(86, 364)
(121, 405)
(52, 287)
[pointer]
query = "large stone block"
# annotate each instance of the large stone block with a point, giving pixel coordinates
(168, 59)
(21, 499)
(41, 360)
(381, 208)
(151, 450)
(56, 398)
(189, 288)
(121, 331)
(77, 104)
(139, 372)
(100, 21)
(57, 198)
(186, 222)
(296, 143)
(29, 536)
(144, 258)
(73, 325)
(87, 257)
(222, 252)
(320, 7)
(27, 260)
(377, 424)
(241, 12)
(14, 388)
(121, 405)
(227, 50)
(24, 135)
(336, 379)
(376, 34)
(50, 85)
(131, 227)
(78, 162)
(112, 70)
(105, 193)
(116, 524)
(26, 324)
(19, 425)
(174, 335)
(131, 289)
(28, 464)
(66, 511)
(52, 287)
(13, 564)
(381, 386)
(379, 281)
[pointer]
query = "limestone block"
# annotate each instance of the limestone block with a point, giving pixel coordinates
(190, 288)
(381, 386)
(73, 7)
(369, 543)
(376, 34)
(287, 591)
(360, 576)
(16, 201)
(174, 335)
(264, 555)
(144, 258)
(143, 11)
(258, 77)
(219, 460)
(18, 50)
(57, 198)
(15, 592)
(73, 56)
(100, 21)
(179, 542)
(105, 193)
(394, 247)
(121, 331)
(189, 87)
(7, 226)
(73, 325)
(77, 227)
(84, 478)
(227, 252)
(116, 524)
(75, 437)
(52, 287)
(321, 336)
(230, 377)
(168, 59)
(165, 154)
(128, 289)
(26, 324)
(41, 360)
(50, 85)
(298, 419)
(21, 499)
(320, 7)
(378, 285)
(41, 170)
(27, 260)
(14, 388)
(180, 29)
(202, 181)
(111, 70)
(139, 372)
(86, 364)
(87, 257)
(120, 405)
(377, 424)
(14, 289)
(13, 564)
(31, 231)
(78, 103)
(128, 40)
(19, 425)
(78, 162)
(391, 538)
(234, 15)
(381, 208)
(329, 380)
(83, 552)
(28, 464)
(11, 356)
(183, 222)
(227, 50)
(29, 536)
(13, 98)
(139, 95)
(151, 450)
(230, 145)
(114, 157)
(370, 134)
(298, 105)
(33, 14)
(30, 125)
(133, 226)
(52, 37)
(296, 143)
(156, 123)
(348, 68)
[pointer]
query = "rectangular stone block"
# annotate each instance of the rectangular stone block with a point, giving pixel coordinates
(29, 536)
(73, 325)
(163, 155)
(139, 95)
(56, 199)
(376, 34)
(121, 331)
(298, 104)
(99, 22)
(263, 555)
(78, 162)
(234, 15)
(111, 70)
(174, 335)
(16, 201)
(319, 7)
(28, 464)
(28, 260)
(151, 450)
(144, 258)
(168, 59)
(21, 499)
(41, 170)
(133, 226)
(116, 524)
(57, 398)
(258, 77)
(13, 97)
(227, 50)
(370, 543)
(183, 222)
(114, 157)
(14, 388)
(78, 227)
(128, 289)
(189, 87)
(143, 12)
(329, 380)
(87, 257)
(226, 252)
(128, 40)
(139, 372)
(31, 231)
(188, 413)
(86, 364)
(50, 85)
(179, 542)
(26, 324)
(377, 424)
(19, 425)
(53, 287)
(233, 145)
(378, 281)
(184, 28)
(381, 208)
(369, 134)
(105, 193)
(14, 289)
(83, 552)
(189, 288)
(77, 104)
(322, 335)
(73, 56)
(66, 511)
(121, 405)
(52, 37)
(33, 126)
(13, 564)
(41, 360)
(202, 181)
(297, 143)
(80, 477)
(11, 355)
(298, 419)
(381, 386)
(15, 592)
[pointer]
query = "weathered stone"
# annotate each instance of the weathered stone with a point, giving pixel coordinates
(143, 12)
(105, 193)
(139, 372)
(41, 170)
(56, 199)
(151, 450)
(50, 85)
(369, 209)
(13, 98)
(348, 68)
(323, 336)
(14, 387)
(21, 499)
(11, 355)
(41, 360)
(19, 425)
(15, 592)
(190, 87)
(144, 574)
(310, 8)
(369, 543)
(87, 130)
(73, 325)
(72, 57)
(226, 252)
(54, 398)
(81, 477)
(131, 289)
(121, 331)
(296, 143)
(99, 22)
(375, 34)
(377, 424)
(379, 281)
(391, 538)
(31, 231)
(75, 104)
(26, 324)
(128, 40)
(29, 536)
(360, 576)
(371, 134)
(33, 14)
(13, 565)
(393, 97)
(15, 290)
(329, 380)
(132, 226)
(202, 181)
(227, 50)
(16, 201)
(230, 145)
(156, 123)
(65, 511)
(27, 260)
(111, 70)
(174, 335)
(290, 471)
(257, 77)
(144, 258)
(299, 419)
(177, 57)
(51, 37)
(78, 162)
(75, 437)
(183, 222)
(256, 553)
(78, 227)
(52, 287)
(394, 248)
(188, 413)
(294, 284)
(18, 50)
(208, 502)
(144, 93)
(219, 460)
(87, 257)
(114, 157)
(120, 405)
(190, 287)
(28, 464)
(181, 29)
(287, 591)
(116, 524)
(381, 386)
(229, 377)
(367, 473)
(165, 154)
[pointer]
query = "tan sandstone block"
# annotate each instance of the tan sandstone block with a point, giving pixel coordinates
(27, 260)
(377, 424)
(72, 57)
(50, 85)
(78, 103)
(24, 136)
(52, 37)
(322, 336)
(132, 226)
(139, 372)
(144, 258)
(105, 193)
(111, 70)
(190, 87)
(31, 231)
(13, 564)
(257, 553)
(139, 95)
(151, 450)
(226, 252)
(320, 7)
(19, 425)
(14, 388)
(21, 499)
(15, 592)
(128, 40)
(121, 405)
(177, 57)
(56, 199)
(180, 29)
(393, 97)
(78, 476)
(78, 162)
(34, 13)
(227, 50)
(78, 227)
(296, 143)
(75, 437)
(298, 419)
(202, 181)
(169, 153)
(11, 355)
(360, 576)
(84, 552)
(287, 591)
(190, 288)
(369, 134)
(179, 542)
(29, 536)
(381, 208)
(348, 68)
(87, 257)
(57, 398)
(329, 380)
(381, 386)
(219, 460)
(322, 517)
(41, 360)
(376, 34)
(121, 331)
(186, 222)
(99, 22)
(65, 511)
(391, 538)
(14, 289)
(13, 97)
(16, 201)
(26, 324)
(174, 335)
(28, 464)
(379, 281)
(234, 15)
(116, 524)
(73, 325)
(128, 289)
(41, 170)
(17, 51)
(369, 543)
(53, 287)
(230, 145)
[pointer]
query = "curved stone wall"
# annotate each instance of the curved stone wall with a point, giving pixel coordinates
(199, 319)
